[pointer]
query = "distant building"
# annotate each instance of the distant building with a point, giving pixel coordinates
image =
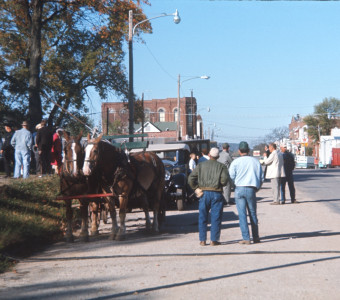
(160, 118)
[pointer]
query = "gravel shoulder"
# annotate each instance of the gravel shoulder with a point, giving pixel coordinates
(298, 258)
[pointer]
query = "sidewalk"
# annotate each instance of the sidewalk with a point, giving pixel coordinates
(298, 258)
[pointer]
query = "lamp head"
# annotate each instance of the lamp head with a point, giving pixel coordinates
(177, 18)
(205, 77)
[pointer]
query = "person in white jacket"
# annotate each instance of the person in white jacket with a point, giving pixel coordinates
(275, 171)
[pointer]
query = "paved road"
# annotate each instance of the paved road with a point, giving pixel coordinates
(298, 258)
(320, 185)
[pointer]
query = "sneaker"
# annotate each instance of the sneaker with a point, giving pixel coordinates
(244, 242)
(215, 243)
(282, 202)
(203, 243)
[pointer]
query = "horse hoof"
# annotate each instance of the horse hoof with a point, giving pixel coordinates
(120, 238)
(84, 238)
(69, 239)
(112, 236)
(96, 232)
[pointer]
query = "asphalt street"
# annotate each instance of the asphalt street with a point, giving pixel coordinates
(298, 257)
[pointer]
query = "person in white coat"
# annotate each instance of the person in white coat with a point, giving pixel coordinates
(275, 171)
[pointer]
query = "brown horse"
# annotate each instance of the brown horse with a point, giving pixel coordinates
(73, 182)
(138, 183)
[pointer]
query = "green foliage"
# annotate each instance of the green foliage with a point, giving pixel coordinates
(323, 119)
(29, 216)
(115, 128)
(80, 46)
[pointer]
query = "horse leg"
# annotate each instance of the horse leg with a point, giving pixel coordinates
(94, 225)
(84, 233)
(156, 209)
(69, 215)
(145, 206)
(122, 214)
(114, 227)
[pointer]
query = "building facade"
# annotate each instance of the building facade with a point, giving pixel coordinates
(156, 111)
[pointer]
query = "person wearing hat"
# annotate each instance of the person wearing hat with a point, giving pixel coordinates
(289, 165)
(56, 151)
(247, 175)
(44, 141)
(226, 159)
(210, 176)
(22, 143)
(7, 150)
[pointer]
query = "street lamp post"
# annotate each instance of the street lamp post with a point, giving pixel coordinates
(132, 28)
(179, 83)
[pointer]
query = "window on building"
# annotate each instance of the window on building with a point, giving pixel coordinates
(161, 114)
(175, 115)
(123, 111)
(146, 114)
(189, 113)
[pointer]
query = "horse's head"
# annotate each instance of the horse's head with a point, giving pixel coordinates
(91, 154)
(74, 154)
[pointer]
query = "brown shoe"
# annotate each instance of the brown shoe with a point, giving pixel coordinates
(244, 242)
(295, 202)
(215, 243)
(256, 240)
(203, 243)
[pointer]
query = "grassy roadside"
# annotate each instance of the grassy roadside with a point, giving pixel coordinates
(30, 217)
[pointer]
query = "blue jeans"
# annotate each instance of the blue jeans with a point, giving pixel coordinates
(22, 159)
(291, 187)
(210, 201)
(246, 201)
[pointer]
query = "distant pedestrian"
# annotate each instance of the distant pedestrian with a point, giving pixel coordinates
(289, 165)
(22, 143)
(44, 140)
(7, 150)
(275, 171)
(192, 162)
(226, 159)
(56, 151)
(204, 156)
(247, 174)
(210, 177)
(36, 166)
(267, 153)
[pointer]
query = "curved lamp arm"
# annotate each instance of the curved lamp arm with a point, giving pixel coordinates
(177, 19)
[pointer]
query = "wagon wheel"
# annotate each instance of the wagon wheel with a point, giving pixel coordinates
(181, 199)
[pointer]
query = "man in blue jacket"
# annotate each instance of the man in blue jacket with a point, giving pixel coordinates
(247, 174)
(22, 143)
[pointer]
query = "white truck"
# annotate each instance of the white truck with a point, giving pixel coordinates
(304, 162)
(327, 143)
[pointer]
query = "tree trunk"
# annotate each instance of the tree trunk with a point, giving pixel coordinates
(35, 108)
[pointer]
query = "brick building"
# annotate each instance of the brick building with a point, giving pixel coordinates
(160, 115)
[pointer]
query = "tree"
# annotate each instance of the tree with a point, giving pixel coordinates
(59, 49)
(323, 119)
(277, 134)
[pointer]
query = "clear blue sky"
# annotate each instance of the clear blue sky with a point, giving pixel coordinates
(267, 61)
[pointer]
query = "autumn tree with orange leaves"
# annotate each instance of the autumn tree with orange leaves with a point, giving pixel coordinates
(55, 50)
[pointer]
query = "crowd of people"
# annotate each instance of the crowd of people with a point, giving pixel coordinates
(26, 153)
(213, 177)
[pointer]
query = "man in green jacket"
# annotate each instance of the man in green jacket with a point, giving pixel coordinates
(210, 176)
